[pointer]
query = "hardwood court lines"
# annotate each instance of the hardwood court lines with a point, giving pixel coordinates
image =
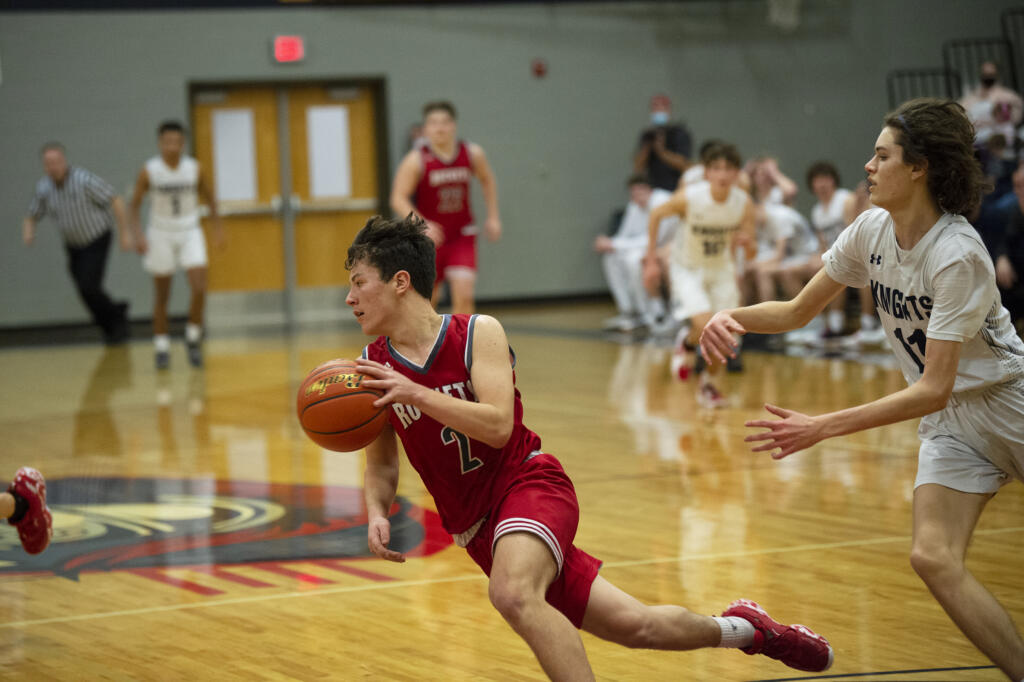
(402, 584)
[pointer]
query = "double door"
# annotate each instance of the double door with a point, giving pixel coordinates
(297, 171)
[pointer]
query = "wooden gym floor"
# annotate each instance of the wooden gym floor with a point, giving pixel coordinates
(199, 535)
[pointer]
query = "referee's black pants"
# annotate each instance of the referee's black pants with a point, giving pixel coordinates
(87, 264)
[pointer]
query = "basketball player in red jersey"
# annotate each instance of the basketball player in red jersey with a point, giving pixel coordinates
(437, 174)
(449, 382)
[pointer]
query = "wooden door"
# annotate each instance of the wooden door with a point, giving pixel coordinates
(334, 191)
(253, 258)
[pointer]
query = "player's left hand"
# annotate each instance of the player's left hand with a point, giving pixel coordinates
(492, 228)
(792, 433)
(397, 387)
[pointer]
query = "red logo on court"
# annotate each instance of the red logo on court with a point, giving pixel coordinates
(149, 525)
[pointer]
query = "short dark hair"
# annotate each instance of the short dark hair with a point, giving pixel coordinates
(439, 105)
(52, 145)
(170, 127)
(725, 151)
(393, 244)
(638, 179)
(937, 133)
(819, 168)
(707, 146)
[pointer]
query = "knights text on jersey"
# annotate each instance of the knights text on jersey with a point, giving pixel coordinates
(943, 288)
(464, 476)
(705, 240)
(174, 195)
(442, 194)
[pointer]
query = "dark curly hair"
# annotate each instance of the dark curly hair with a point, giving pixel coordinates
(392, 244)
(937, 133)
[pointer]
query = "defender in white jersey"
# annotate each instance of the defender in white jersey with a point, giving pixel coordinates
(174, 238)
(717, 216)
(934, 285)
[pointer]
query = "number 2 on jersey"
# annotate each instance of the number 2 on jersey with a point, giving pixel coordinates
(469, 462)
(918, 339)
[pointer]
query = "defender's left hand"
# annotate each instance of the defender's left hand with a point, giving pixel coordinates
(397, 387)
(792, 433)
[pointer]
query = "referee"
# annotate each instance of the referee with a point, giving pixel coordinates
(80, 203)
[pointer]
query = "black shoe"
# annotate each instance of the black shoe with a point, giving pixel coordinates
(699, 364)
(734, 365)
(195, 353)
(119, 331)
(163, 359)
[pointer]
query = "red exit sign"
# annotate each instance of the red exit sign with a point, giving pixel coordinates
(289, 49)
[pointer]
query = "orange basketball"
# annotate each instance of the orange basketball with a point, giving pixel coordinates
(335, 411)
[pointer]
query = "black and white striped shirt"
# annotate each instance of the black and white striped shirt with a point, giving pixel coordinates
(80, 205)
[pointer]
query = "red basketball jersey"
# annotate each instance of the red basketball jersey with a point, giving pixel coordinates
(465, 476)
(443, 192)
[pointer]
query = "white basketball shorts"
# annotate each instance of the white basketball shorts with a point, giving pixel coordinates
(170, 250)
(976, 443)
(705, 290)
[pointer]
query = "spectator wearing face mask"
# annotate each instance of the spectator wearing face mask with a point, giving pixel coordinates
(990, 102)
(663, 152)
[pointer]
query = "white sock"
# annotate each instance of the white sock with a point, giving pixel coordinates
(737, 633)
(835, 320)
(867, 322)
(162, 342)
(193, 332)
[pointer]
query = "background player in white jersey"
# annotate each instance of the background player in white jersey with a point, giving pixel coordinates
(174, 238)
(934, 284)
(786, 248)
(830, 215)
(717, 216)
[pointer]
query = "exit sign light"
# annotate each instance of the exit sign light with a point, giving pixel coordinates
(289, 49)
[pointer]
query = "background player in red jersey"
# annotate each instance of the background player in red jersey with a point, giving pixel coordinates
(450, 384)
(436, 177)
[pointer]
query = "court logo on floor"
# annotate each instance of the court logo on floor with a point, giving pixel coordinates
(141, 524)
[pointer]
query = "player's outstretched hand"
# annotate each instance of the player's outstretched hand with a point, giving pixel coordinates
(397, 387)
(378, 537)
(791, 433)
(716, 339)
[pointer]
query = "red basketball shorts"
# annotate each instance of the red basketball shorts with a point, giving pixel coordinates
(456, 255)
(540, 500)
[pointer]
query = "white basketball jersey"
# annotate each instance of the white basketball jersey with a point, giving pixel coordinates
(790, 224)
(705, 240)
(828, 218)
(944, 288)
(173, 194)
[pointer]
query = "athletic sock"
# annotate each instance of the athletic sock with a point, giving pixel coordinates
(867, 322)
(737, 633)
(162, 343)
(193, 332)
(20, 507)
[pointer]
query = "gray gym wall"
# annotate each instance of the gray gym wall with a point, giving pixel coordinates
(560, 146)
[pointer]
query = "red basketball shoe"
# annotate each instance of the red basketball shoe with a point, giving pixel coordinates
(794, 645)
(35, 527)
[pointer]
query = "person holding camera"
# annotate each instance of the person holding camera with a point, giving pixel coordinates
(663, 152)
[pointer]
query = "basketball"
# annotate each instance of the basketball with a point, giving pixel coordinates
(335, 411)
